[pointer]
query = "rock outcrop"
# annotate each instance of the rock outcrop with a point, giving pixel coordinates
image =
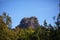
(29, 22)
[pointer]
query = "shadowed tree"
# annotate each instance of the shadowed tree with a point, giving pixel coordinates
(45, 23)
(57, 21)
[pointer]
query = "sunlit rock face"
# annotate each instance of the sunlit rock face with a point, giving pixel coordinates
(29, 22)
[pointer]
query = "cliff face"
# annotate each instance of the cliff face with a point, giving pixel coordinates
(29, 22)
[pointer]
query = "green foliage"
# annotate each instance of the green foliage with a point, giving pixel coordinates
(6, 33)
(6, 19)
(39, 33)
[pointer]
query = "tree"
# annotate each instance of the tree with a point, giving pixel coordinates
(45, 23)
(57, 31)
(7, 19)
(57, 22)
(6, 33)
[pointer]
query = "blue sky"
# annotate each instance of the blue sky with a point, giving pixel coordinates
(18, 9)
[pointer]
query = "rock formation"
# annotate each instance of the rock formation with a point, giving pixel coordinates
(29, 22)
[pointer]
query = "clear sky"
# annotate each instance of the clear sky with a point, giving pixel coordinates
(18, 9)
